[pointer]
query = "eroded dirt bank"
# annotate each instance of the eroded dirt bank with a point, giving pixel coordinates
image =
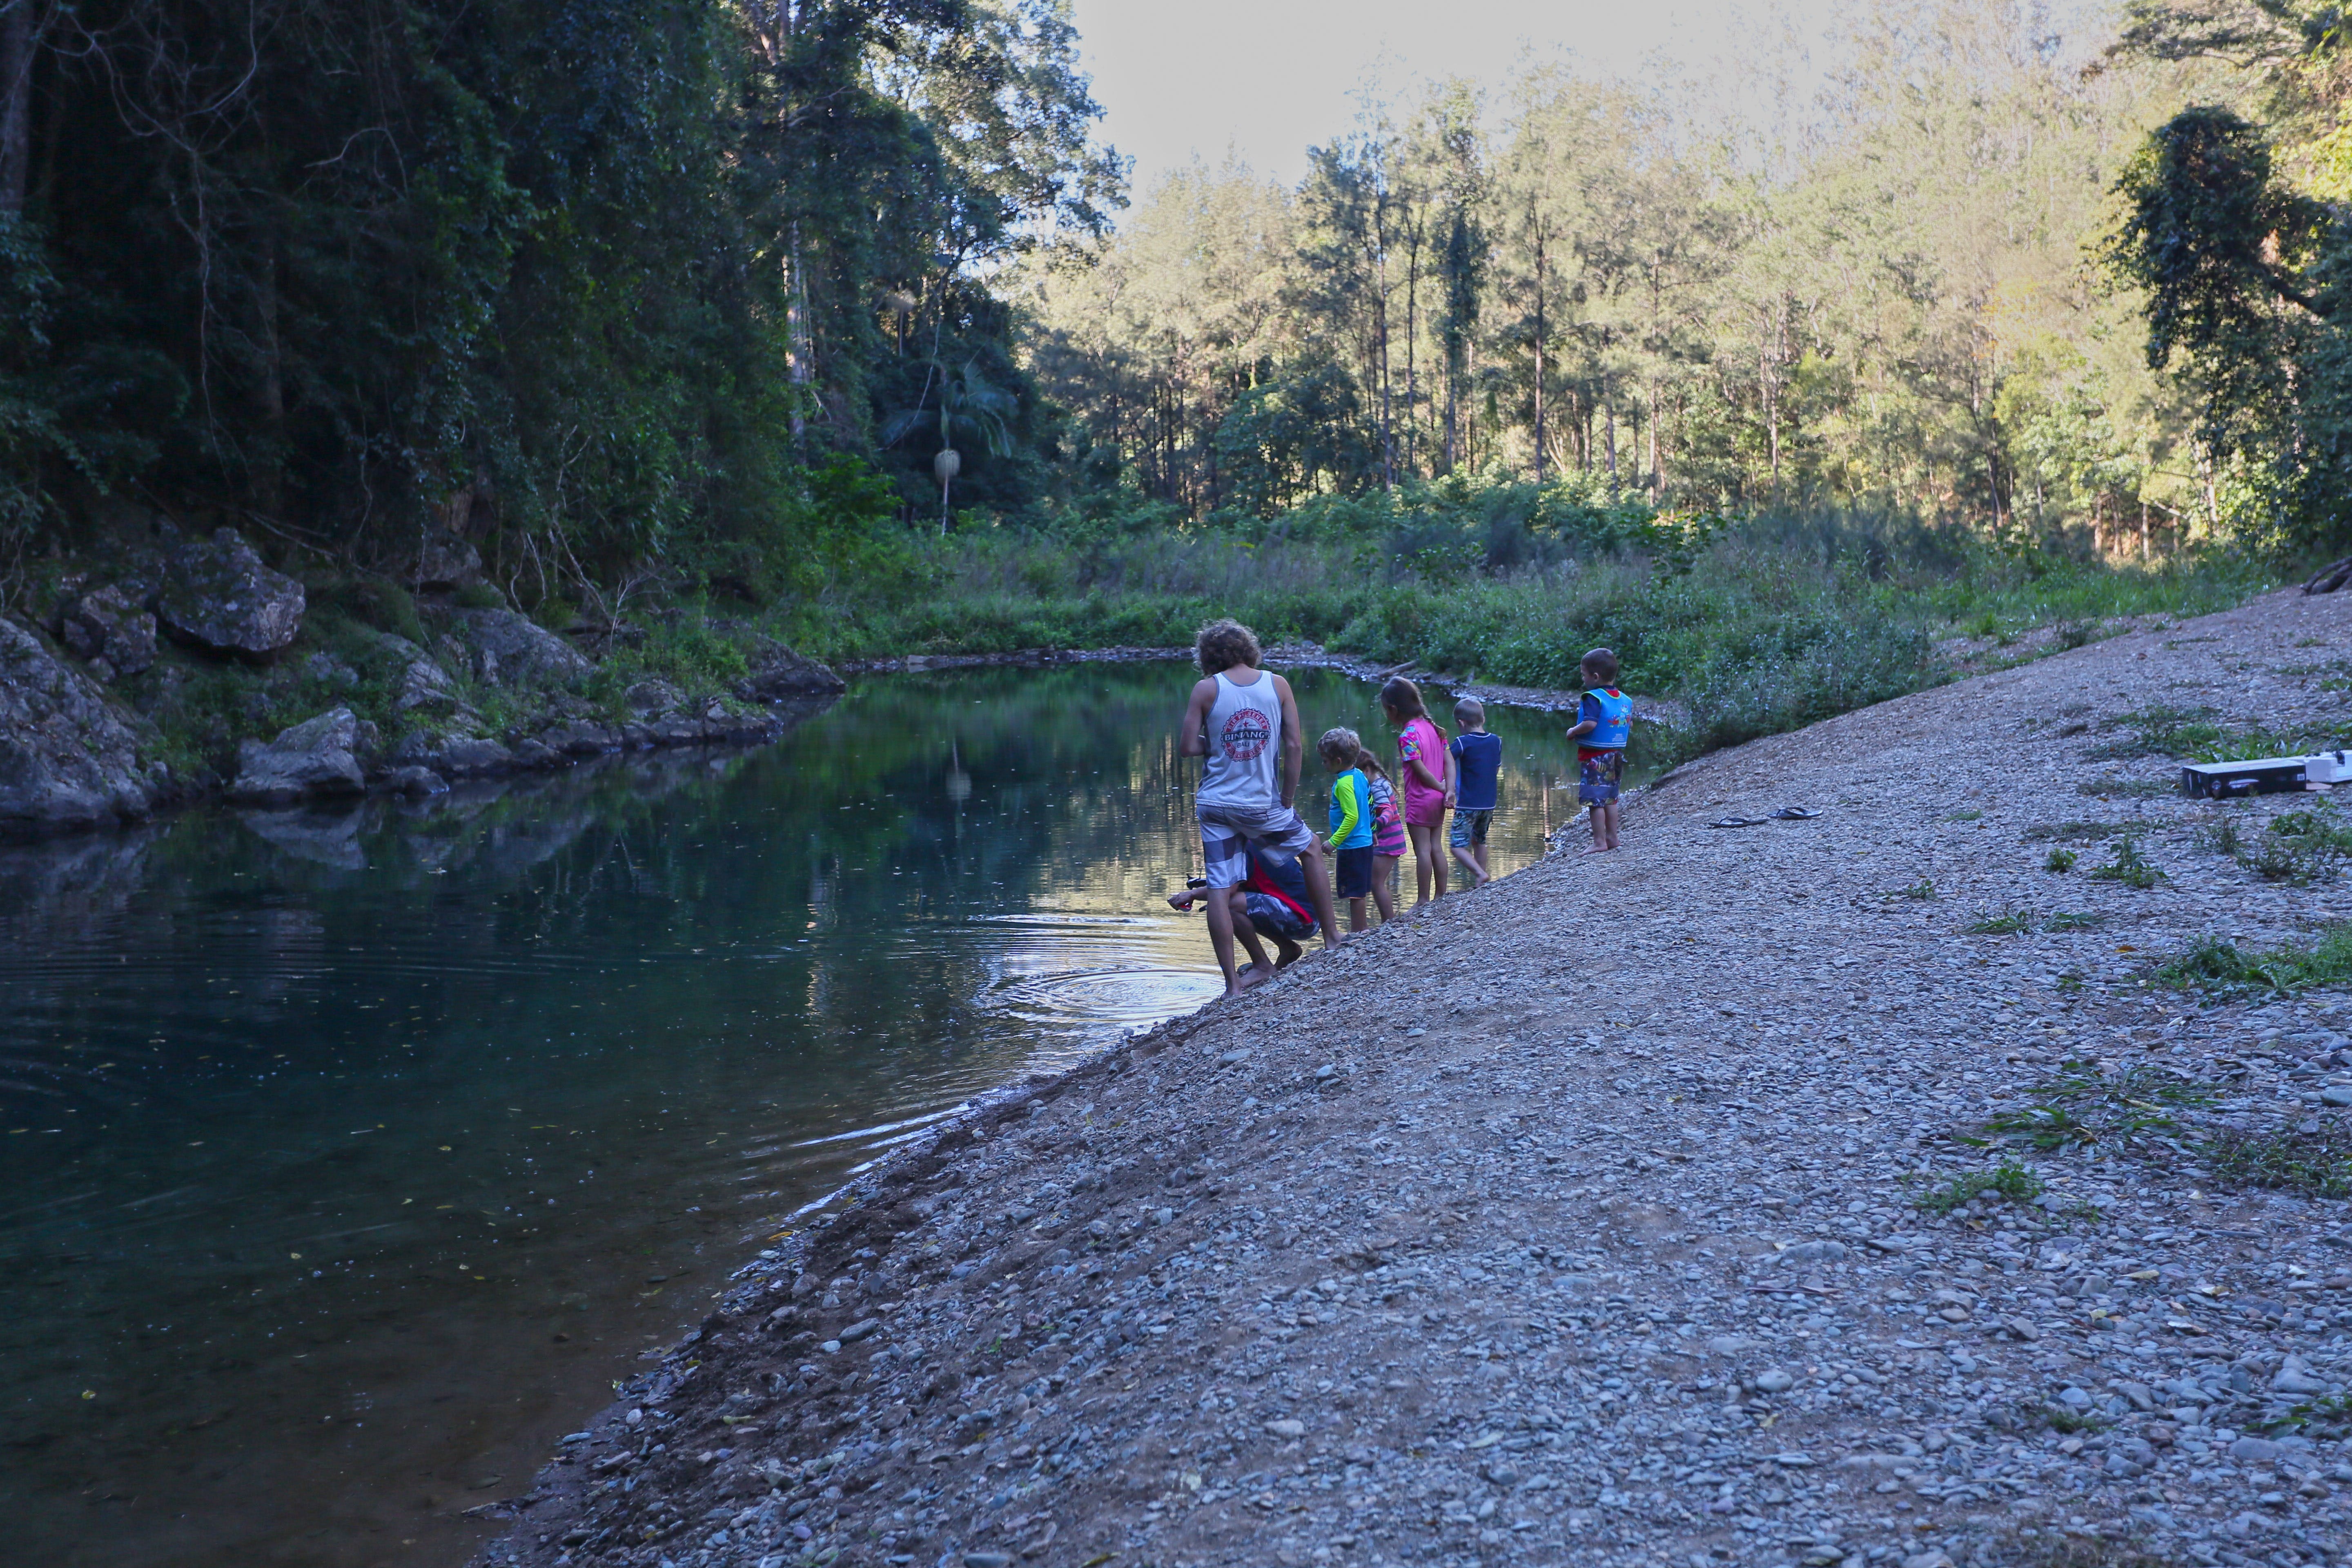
(1577, 1220)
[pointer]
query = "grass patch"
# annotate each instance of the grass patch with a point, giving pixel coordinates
(2222, 837)
(2329, 1415)
(2017, 922)
(2059, 861)
(2129, 866)
(2221, 969)
(2299, 846)
(1755, 625)
(2193, 734)
(2081, 1107)
(2108, 786)
(2051, 1547)
(1969, 815)
(2059, 1418)
(1924, 889)
(2007, 1180)
(2316, 1164)
(2080, 832)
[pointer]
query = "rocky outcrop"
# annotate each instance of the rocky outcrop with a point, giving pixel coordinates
(220, 597)
(777, 673)
(453, 756)
(68, 759)
(425, 684)
(445, 561)
(111, 630)
(317, 756)
(510, 650)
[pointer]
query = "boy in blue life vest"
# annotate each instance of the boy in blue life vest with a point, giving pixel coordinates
(1604, 725)
(1474, 761)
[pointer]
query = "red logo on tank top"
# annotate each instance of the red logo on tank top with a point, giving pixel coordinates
(1245, 734)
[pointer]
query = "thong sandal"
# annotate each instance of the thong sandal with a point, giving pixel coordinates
(1795, 814)
(1738, 821)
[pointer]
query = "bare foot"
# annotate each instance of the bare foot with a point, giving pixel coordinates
(1601, 849)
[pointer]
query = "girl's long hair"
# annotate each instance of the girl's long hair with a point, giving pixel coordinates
(1370, 764)
(1401, 698)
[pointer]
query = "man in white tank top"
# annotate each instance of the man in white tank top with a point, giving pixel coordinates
(1244, 722)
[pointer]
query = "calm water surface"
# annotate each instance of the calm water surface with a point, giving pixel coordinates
(349, 1158)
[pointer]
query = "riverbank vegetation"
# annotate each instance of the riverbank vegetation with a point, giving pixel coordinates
(831, 334)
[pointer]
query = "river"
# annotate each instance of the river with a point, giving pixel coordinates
(349, 1157)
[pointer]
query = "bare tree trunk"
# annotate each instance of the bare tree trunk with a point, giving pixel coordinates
(2143, 532)
(20, 39)
(1609, 407)
(269, 482)
(1411, 333)
(798, 348)
(1381, 316)
(1656, 484)
(1540, 348)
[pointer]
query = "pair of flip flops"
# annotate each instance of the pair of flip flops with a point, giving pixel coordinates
(1785, 814)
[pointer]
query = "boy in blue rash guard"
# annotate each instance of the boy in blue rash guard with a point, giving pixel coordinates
(1351, 821)
(1604, 727)
(1478, 759)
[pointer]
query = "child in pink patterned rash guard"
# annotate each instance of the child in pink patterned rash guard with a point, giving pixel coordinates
(1388, 842)
(1423, 767)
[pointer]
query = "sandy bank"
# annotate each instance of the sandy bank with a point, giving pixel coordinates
(1577, 1219)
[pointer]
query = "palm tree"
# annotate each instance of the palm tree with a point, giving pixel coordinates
(966, 402)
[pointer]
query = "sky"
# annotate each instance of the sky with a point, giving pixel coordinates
(1270, 78)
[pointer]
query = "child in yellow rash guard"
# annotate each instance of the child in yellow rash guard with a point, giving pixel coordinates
(1351, 821)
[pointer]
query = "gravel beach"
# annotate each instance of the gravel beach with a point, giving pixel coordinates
(1601, 1215)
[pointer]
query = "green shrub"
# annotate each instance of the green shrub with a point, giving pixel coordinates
(2129, 866)
(2318, 1163)
(2008, 1181)
(2221, 967)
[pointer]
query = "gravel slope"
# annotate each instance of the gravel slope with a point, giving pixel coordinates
(1576, 1220)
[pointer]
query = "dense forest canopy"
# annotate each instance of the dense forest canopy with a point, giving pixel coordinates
(596, 281)
(738, 298)
(1597, 279)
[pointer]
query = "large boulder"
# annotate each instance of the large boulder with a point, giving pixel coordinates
(317, 756)
(777, 673)
(66, 757)
(445, 561)
(452, 755)
(110, 629)
(218, 597)
(423, 684)
(511, 650)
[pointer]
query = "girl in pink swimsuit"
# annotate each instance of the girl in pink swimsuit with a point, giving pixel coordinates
(1421, 764)
(1388, 833)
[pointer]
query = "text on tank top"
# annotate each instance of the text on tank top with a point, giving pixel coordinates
(1244, 735)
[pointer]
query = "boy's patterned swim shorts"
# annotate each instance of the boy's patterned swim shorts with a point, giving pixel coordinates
(1596, 776)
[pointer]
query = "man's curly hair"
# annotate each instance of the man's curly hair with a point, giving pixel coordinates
(1221, 645)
